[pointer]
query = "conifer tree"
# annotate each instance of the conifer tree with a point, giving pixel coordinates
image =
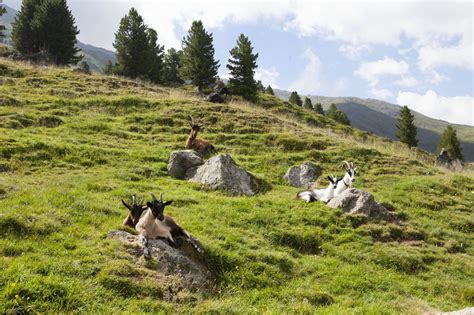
(155, 57)
(319, 109)
(198, 64)
(406, 129)
(132, 44)
(25, 37)
(269, 90)
(3, 10)
(307, 103)
(450, 142)
(242, 65)
(337, 115)
(171, 68)
(295, 99)
(55, 25)
(84, 66)
(46, 25)
(108, 68)
(260, 86)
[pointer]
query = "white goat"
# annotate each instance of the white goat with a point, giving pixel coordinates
(154, 224)
(348, 179)
(323, 195)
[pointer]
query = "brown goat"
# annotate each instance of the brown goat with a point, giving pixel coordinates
(135, 211)
(198, 145)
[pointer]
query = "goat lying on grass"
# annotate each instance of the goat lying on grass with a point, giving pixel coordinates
(323, 195)
(154, 224)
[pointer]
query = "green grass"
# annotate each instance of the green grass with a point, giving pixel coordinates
(72, 146)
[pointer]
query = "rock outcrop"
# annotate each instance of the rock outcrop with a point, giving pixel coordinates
(221, 172)
(183, 163)
(355, 201)
(181, 262)
(304, 175)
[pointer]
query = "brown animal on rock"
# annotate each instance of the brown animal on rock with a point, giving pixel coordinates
(199, 145)
(134, 212)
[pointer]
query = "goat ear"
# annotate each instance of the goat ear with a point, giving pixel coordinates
(149, 204)
(168, 203)
(127, 205)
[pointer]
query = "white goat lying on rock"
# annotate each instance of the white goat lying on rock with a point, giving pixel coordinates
(348, 179)
(323, 195)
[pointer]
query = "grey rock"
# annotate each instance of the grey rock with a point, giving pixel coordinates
(221, 172)
(182, 161)
(355, 201)
(181, 262)
(465, 311)
(304, 175)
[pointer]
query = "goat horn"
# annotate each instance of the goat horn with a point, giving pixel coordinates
(192, 120)
(352, 165)
(161, 197)
(153, 197)
(141, 201)
(346, 164)
(133, 200)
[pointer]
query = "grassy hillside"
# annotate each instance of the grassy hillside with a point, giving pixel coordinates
(72, 146)
(379, 117)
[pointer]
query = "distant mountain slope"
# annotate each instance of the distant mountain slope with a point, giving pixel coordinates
(379, 117)
(96, 57)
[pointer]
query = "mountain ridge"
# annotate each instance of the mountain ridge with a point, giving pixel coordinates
(379, 117)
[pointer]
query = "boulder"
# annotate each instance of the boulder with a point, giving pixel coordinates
(181, 262)
(355, 201)
(215, 98)
(182, 163)
(221, 172)
(304, 175)
(465, 311)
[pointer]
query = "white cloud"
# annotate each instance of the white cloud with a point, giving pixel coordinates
(408, 81)
(432, 56)
(435, 77)
(457, 109)
(382, 94)
(371, 71)
(267, 76)
(309, 80)
(354, 51)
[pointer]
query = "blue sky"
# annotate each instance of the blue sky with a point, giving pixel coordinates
(418, 54)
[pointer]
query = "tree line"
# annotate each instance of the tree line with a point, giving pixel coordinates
(48, 26)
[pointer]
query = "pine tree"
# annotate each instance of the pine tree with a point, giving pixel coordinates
(26, 39)
(260, 86)
(108, 68)
(332, 112)
(450, 142)
(337, 115)
(307, 103)
(295, 99)
(171, 68)
(198, 64)
(406, 129)
(84, 66)
(319, 109)
(269, 90)
(132, 44)
(155, 56)
(242, 65)
(3, 10)
(56, 27)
